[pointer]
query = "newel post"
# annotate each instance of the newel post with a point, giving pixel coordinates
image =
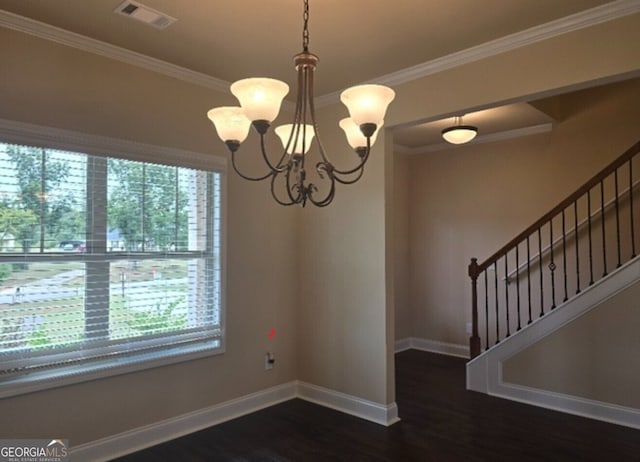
(474, 340)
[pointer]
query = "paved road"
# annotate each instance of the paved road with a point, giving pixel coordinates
(139, 295)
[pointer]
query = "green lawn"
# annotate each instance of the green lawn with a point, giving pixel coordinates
(142, 270)
(64, 315)
(65, 319)
(38, 271)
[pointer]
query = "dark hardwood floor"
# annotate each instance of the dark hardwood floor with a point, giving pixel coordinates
(441, 421)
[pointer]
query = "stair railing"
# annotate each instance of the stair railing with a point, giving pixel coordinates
(578, 242)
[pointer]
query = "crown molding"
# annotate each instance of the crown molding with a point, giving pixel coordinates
(610, 11)
(84, 43)
(490, 138)
(588, 18)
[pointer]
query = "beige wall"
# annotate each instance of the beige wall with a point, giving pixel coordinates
(469, 201)
(594, 357)
(343, 288)
(52, 85)
(402, 201)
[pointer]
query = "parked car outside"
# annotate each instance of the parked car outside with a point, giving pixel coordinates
(72, 246)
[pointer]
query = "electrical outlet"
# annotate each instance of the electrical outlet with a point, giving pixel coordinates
(469, 328)
(269, 361)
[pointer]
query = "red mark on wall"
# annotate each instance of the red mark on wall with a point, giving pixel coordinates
(272, 333)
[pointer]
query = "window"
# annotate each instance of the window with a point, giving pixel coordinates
(106, 265)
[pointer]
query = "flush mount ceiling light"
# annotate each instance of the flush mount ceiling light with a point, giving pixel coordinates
(459, 133)
(260, 100)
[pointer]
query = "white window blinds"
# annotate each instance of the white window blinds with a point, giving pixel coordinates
(104, 263)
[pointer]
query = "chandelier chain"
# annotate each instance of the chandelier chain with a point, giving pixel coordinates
(305, 29)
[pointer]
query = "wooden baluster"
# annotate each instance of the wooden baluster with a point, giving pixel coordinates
(495, 279)
(617, 204)
(541, 272)
(518, 285)
(576, 235)
(552, 266)
(486, 310)
(474, 341)
(590, 239)
(506, 293)
(564, 255)
(529, 277)
(633, 234)
(604, 233)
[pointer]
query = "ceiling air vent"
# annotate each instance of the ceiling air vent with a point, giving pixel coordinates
(145, 14)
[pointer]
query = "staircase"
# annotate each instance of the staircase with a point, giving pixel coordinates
(579, 254)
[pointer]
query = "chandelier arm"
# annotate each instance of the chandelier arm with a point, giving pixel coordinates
(297, 116)
(364, 156)
(301, 120)
(312, 111)
(327, 199)
(323, 203)
(249, 178)
(327, 168)
(351, 181)
(363, 153)
(360, 166)
(275, 196)
(280, 167)
(290, 187)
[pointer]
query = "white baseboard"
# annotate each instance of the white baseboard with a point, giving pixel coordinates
(143, 437)
(433, 346)
(607, 412)
(403, 344)
(374, 412)
(140, 438)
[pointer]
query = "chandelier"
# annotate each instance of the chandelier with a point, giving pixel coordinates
(260, 100)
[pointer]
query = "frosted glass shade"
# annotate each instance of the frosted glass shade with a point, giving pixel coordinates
(230, 122)
(284, 132)
(260, 97)
(355, 138)
(367, 103)
(459, 134)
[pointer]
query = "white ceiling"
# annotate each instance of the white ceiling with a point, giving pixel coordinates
(356, 40)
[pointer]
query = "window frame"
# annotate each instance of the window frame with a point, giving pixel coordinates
(12, 132)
